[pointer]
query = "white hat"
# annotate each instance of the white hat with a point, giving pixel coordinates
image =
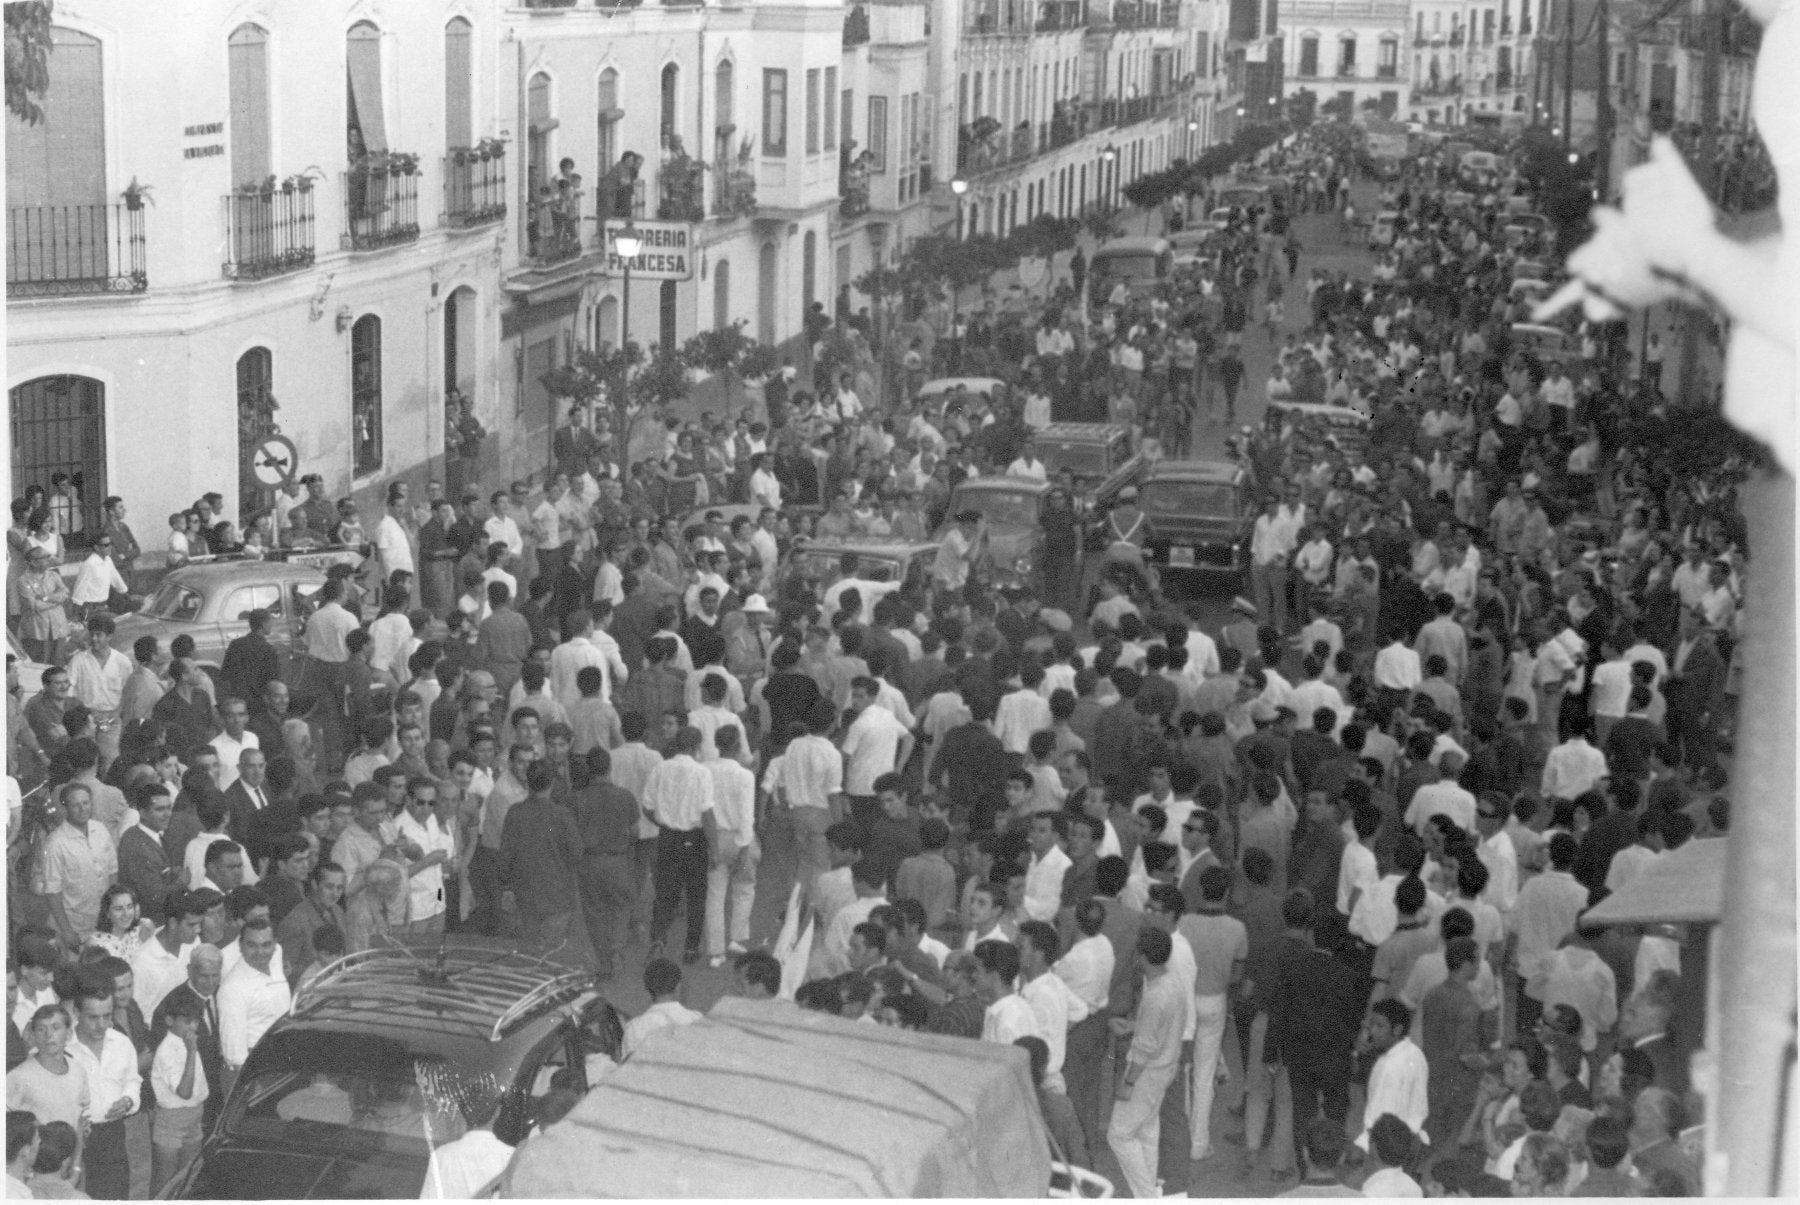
(756, 605)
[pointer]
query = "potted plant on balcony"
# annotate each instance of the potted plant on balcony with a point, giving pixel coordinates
(402, 163)
(489, 149)
(136, 194)
(741, 182)
(257, 188)
(301, 182)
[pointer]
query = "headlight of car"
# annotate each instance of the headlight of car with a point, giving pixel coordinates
(1022, 564)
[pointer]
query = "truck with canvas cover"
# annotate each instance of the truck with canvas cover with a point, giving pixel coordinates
(764, 1099)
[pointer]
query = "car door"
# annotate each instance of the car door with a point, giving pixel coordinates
(557, 1052)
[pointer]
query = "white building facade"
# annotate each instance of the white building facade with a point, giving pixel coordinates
(308, 258)
(1347, 52)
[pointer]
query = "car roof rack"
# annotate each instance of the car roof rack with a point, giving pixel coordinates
(489, 995)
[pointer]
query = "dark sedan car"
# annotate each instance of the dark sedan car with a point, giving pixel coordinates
(347, 1095)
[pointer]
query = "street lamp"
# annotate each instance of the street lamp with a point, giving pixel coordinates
(627, 244)
(958, 186)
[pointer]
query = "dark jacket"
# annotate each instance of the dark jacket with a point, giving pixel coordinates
(250, 664)
(147, 867)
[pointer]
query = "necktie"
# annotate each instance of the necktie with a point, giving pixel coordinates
(212, 1016)
(256, 796)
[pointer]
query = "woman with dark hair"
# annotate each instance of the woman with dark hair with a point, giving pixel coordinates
(121, 929)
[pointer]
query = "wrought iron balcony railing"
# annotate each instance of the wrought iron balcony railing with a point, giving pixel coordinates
(69, 250)
(474, 187)
(381, 206)
(268, 233)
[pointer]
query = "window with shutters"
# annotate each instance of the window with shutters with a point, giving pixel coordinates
(829, 108)
(775, 111)
(1309, 56)
(669, 110)
(365, 393)
(610, 115)
(248, 52)
(367, 130)
(459, 75)
(878, 133)
(812, 111)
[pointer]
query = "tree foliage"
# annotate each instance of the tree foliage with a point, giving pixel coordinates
(28, 57)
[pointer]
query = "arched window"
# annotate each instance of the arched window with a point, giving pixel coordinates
(56, 194)
(1309, 54)
(721, 294)
(248, 53)
(724, 99)
(669, 123)
(1387, 57)
(256, 420)
(367, 129)
(610, 115)
(365, 393)
(459, 77)
(1346, 61)
(59, 425)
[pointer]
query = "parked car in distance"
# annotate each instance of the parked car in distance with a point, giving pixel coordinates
(1140, 263)
(1011, 506)
(1093, 452)
(1199, 516)
(943, 387)
(210, 603)
(1545, 342)
(1381, 229)
(347, 1095)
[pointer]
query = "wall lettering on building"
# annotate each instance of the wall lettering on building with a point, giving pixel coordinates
(211, 127)
(209, 151)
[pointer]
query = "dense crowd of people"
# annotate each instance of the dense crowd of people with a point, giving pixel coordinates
(1324, 868)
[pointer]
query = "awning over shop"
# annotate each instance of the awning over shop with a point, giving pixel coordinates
(1685, 886)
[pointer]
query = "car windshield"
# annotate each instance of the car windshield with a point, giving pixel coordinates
(1003, 508)
(1124, 264)
(174, 601)
(1084, 458)
(403, 1105)
(823, 565)
(1189, 498)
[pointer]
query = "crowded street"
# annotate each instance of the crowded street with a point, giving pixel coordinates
(1279, 684)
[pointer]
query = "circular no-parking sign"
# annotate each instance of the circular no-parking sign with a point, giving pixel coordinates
(275, 461)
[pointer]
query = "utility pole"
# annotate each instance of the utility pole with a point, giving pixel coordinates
(1569, 75)
(1695, 319)
(1603, 108)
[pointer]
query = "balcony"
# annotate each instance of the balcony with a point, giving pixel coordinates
(1063, 127)
(1142, 14)
(269, 233)
(1059, 14)
(1439, 87)
(1345, 71)
(853, 188)
(619, 200)
(1387, 71)
(734, 185)
(474, 187)
(1456, 37)
(549, 4)
(381, 202)
(72, 250)
(1023, 143)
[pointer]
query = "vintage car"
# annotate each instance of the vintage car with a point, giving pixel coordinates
(1345, 426)
(1012, 507)
(210, 603)
(940, 389)
(1199, 516)
(1381, 229)
(1545, 342)
(1093, 452)
(1141, 264)
(905, 562)
(388, 1054)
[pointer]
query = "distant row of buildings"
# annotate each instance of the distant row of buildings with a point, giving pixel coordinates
(339, 222)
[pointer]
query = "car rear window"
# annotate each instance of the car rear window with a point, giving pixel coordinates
(999, 506)
(1189, 498)
(1082, 457)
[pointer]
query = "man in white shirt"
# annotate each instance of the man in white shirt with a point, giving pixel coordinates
(1397, 1081)
(662, 980)
(1397, 668)
(1044, 875)
(731, 879)
(1027, 465)
(418, 823)
(1270, 545)
(251, 998)
(1441, 798)
(588, 645)
(1572, 768)
(1020, 713)
(679, 797)
(1008, 1017)
(231, 743)
(1054, 1004)
(876, 743)
(114, 1090)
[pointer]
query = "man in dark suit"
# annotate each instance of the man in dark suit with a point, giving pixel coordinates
(1696, 682)
(146, 864)
(247, 799)
(205, 968)
(251, 662)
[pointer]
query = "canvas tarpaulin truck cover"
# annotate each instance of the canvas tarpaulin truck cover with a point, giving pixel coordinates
(764, 1099)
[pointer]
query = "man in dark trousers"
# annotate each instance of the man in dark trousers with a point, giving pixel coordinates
(540, 857)
(1231, 376)
(606, 816)
(1696, 684)
(1315, 1007)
